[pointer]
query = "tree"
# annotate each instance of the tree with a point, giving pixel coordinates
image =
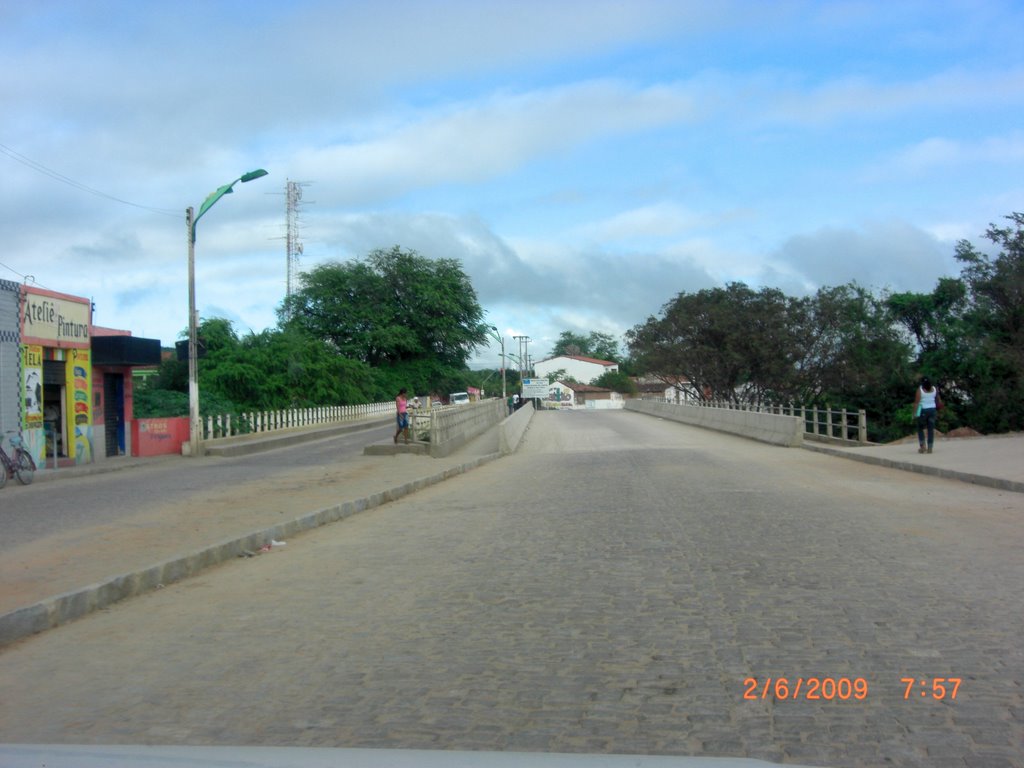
(602, 346)
(570, 343)
(617, 382)
(561, 375)
(731, 343)
(968, 333)
(393, 306)
(992, 370)
(927, 318)
(854, 357)
(935, 328)
(838, 348)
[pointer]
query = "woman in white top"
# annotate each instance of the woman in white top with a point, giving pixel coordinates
(926, 405)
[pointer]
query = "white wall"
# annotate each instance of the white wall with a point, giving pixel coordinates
(581, 370)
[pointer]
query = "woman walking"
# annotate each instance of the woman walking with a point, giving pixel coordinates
(926, 406)
(402, 417)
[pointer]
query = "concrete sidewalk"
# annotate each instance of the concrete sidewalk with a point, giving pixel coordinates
(995, 462)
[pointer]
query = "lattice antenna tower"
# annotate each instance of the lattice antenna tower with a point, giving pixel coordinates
(293, 242)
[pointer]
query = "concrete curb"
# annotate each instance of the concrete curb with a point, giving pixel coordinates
(60, 609)
(923, 469)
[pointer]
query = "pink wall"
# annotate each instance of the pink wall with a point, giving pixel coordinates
(155, 437)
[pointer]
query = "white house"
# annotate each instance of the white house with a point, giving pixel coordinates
(583, 369)
(563, 394)
(674, 389)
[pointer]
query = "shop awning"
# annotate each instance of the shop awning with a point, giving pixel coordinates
(125, 350)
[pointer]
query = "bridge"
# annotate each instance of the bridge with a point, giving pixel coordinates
(618, 584)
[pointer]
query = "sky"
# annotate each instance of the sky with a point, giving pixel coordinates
(585, 160)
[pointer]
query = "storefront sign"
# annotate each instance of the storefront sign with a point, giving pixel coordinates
(32, 373)
(78, 383)
(55, 320)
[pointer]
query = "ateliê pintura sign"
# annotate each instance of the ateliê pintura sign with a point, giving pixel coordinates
(54, 319)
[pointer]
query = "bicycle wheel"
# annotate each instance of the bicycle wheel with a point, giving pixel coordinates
(3, 472)
(26, 469)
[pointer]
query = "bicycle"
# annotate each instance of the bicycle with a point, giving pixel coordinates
(21, 464)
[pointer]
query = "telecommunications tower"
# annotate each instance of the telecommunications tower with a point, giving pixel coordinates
(293, 243)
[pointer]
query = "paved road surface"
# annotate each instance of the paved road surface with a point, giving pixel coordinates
(62, 535)
(35, 511)
(607, 589)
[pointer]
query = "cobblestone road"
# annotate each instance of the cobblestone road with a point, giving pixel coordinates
(609, 588)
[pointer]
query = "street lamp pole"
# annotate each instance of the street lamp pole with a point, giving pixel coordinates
(191, 219)
(504, 393)
(193, 371)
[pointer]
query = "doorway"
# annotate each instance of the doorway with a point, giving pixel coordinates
(113, 413)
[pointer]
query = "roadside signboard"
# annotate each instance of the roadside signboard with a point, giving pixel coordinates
(535, 388)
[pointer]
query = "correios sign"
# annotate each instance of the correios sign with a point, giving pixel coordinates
(54, 319)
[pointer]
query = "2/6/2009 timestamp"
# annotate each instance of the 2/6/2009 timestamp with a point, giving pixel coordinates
(938, 688)
(808, 689)
(845, 688)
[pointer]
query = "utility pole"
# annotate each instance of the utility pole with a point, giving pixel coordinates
(522, 355)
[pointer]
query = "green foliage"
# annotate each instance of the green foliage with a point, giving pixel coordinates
(968, 333)
(617, 382)
(420, 377)
(601, 346)
(279, 369)
(172, 376)
(837, 348)
(991, 373)
(394, 306)
(151, 403)
(845, 347)
(732, 343)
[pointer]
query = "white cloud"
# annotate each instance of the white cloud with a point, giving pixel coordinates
(939, 154)
(858, 97)
(878, 255)
(472, 142)
(659, 220)
(585, 159)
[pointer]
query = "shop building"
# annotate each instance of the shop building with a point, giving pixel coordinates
(65, 384)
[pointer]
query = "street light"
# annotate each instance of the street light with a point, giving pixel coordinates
(504, 394)
(194, 427)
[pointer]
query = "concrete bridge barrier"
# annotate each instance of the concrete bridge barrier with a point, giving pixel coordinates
(512, 429)
(452, 428)
(766, 427)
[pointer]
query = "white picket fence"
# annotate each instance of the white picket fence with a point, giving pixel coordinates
(269, 421)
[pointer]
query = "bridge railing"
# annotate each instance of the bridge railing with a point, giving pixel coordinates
(820, 423)
(228, 425)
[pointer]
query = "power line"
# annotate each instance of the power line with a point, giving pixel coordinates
(40, 168)
(25, 278)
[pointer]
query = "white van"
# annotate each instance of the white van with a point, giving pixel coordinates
(458, 398)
